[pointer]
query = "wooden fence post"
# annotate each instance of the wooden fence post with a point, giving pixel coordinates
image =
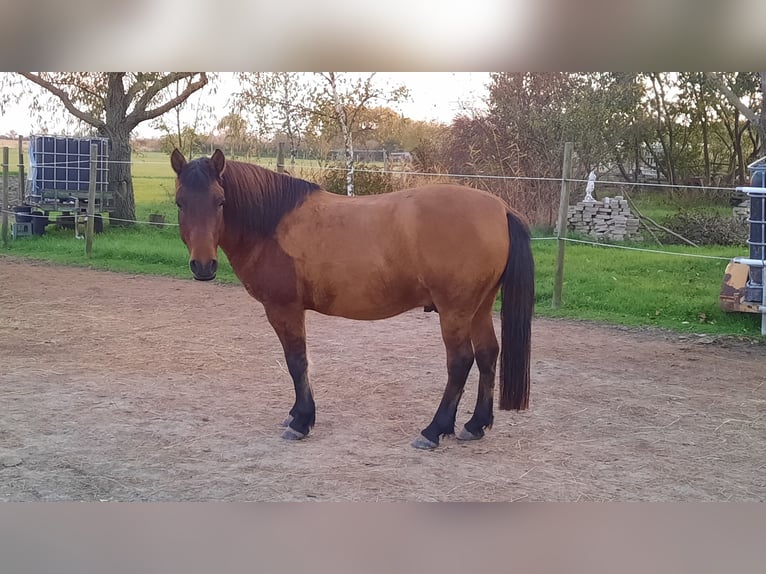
(5, 197)
(566, 175)
(89, 224)
(281, 158)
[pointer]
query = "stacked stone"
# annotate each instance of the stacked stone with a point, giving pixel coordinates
(608, 219)
(742, 211)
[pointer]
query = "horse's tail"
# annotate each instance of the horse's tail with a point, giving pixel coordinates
(518, 299)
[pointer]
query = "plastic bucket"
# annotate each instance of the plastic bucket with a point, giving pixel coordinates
(39, 221)
(23, 213)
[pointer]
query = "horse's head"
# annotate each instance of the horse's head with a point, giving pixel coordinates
(200, 198)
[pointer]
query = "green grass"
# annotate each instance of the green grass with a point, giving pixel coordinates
(153, 178)
(600, 283)
(144, 249)
(659, 206)
(641, 289)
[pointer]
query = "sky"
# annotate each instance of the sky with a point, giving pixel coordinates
(434, 96)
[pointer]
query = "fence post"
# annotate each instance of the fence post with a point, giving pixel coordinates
(5, 197)
(281, 158)
(89, 224)
(22, 179)
(566, 175)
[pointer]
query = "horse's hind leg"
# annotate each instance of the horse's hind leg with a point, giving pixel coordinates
(289, 324)
(486, 350)
(457, 340)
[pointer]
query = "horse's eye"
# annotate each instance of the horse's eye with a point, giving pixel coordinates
(178, 203)
(221, 202)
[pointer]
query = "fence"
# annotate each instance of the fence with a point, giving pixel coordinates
(561, 237)
(94, 168)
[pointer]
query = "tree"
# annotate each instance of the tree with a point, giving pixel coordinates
(114, 103)
(698, 134)
(341, 100)
(281, 102)
(178, 134)
(188, 141)
(529, 116)
(234, 129)
(670, 145)
(756, 118)
(393, 131)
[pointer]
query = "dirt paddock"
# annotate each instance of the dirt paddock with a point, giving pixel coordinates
(134, 388)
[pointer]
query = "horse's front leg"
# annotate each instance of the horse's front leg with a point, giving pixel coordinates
(289, 322)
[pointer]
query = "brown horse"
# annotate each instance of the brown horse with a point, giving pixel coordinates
(295, 247)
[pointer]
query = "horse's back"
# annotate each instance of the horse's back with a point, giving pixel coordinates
(376, 256)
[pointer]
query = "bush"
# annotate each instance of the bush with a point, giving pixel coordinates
(368, 180)
(706, 228)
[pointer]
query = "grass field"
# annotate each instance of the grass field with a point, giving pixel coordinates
(641, 288)
(600, 283)
(153, 178)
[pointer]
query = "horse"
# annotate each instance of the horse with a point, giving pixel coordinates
(296, 247)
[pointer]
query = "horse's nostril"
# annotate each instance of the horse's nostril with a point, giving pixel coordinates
(194, 266)
(213, 266)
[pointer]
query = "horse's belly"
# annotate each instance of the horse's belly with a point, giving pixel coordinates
(367, 312)
(368, 300)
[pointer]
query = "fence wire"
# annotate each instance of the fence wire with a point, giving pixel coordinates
(644, 249)
(458, 176)
(490, 177)
(567, 239)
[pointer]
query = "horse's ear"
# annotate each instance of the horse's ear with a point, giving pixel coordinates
(177, 160)
(219, 162)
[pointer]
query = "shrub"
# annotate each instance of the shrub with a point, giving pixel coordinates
(368, 180)
(706, 228)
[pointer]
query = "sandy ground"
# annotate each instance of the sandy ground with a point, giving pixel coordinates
(134, 388)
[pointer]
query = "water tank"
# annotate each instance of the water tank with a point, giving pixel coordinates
(757, 222)
(59, 169)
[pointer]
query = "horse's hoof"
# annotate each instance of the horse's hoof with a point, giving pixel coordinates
(423, 443)
(288, 420)
(292, 434)
(465, 434)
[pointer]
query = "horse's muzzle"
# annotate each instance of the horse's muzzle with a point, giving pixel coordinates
(203, 271)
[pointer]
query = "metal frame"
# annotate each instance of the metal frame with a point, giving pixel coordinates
(58, 191)
(749, 261)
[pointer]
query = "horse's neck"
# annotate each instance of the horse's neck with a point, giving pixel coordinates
(240, 248)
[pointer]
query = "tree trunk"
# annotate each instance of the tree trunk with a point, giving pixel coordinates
(737, 140)
(341, 116)
(120, 182)
(120, 179)
(706, 148)
(758, 120)
(348, 148)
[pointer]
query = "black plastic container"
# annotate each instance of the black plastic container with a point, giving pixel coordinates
(757, 238)
(23, 213)
(39, 221)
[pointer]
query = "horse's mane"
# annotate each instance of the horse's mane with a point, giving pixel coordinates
(258, 198)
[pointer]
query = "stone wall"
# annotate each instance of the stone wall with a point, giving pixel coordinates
(607, 219)
(14, 197)
(742, 211)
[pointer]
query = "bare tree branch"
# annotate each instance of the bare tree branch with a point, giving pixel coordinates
(159, 84)
(65, 99)
(138, 85)
(141, 114)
